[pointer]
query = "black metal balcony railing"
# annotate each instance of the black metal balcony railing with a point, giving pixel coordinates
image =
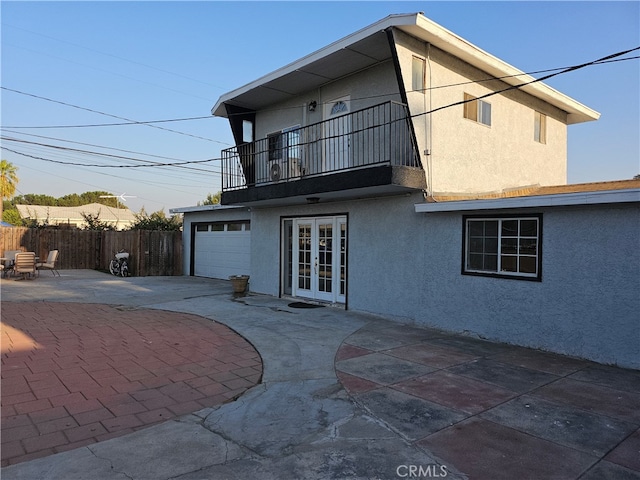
(372, 136)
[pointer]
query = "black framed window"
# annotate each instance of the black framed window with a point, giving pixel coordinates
(503, 246)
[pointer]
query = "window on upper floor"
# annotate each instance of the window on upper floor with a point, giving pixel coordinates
(285, 144)
(503, 246)
(540, 127)
(477, 110)
(418, 74)
(247, 131)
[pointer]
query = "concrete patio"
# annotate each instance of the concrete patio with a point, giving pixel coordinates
(342, 395)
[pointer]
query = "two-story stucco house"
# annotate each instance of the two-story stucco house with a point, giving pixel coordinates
(342, 163)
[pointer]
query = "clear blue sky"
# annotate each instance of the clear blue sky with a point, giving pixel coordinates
(148, 61)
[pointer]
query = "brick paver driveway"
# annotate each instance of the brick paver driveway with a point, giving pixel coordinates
(75, 374)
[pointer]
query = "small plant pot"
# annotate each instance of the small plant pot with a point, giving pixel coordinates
(239, 283)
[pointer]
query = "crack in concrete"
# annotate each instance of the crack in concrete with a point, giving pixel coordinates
(110, 464)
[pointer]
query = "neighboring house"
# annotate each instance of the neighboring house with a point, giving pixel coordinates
(119, 218)
(349, 193)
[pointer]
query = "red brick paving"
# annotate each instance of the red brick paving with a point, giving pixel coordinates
(75, 374)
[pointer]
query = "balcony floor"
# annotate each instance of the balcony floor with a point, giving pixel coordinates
(374, 181)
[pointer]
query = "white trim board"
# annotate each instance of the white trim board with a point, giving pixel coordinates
(558, 200)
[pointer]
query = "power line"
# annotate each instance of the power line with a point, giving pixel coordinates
(484, 80)
(141, 165)
(107, 189)
(114, 56)
(107, 114)
(148, 122)
(92, 145)
(519, 86)
(183, 163)
(151, 122)
(102, 70)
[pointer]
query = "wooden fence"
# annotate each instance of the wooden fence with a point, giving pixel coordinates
(152, 252)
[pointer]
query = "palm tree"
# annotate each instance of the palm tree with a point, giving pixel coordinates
(8, 181)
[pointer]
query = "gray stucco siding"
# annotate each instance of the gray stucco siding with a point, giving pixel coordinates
(373, 86)
(407, 266)
(586, 305)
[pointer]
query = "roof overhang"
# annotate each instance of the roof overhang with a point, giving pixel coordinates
(631, 195)
(369, 46)
(205, 208)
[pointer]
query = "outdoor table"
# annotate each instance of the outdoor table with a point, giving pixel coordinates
(5, 263)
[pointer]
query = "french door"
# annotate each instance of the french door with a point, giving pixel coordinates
(319, 258)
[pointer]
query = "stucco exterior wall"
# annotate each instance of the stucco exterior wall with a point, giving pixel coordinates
(466, 156)
(367, 88)
(407, 266)
(586, 304)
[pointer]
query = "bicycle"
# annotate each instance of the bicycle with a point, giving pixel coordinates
(119, 266)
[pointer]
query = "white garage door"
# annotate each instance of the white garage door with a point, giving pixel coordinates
(222, 249)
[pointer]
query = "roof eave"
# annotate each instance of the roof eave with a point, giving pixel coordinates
(562, 199)
(392, 20)
(435, 34)
(417, 25)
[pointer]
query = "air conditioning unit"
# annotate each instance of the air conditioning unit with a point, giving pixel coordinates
(284, 170)
(276, 171)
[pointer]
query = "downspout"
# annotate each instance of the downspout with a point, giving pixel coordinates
(429, 128)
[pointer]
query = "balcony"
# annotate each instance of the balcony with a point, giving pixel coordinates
(366, 153)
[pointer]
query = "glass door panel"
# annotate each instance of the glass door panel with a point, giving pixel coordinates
(317, 261)
(342, 223)
(304, 264)
(324, 260)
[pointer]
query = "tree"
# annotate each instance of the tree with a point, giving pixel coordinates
(637, 177)
(156, 221)
(70, 200)
(35, 199)
(12, 216)
(212, 199)
(77, 200)
(8, 181)
(93, 222)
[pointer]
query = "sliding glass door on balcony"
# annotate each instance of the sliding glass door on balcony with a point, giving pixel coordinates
(314, 258)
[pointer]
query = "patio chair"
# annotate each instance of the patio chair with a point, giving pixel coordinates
(25, 264)
(10, 258)
(50, 263)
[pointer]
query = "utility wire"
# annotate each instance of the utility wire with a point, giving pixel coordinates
(437, 87)
(167, 164)
(149, 122)
(114, 56)
(519, 86)
(92, 145)
(108, 114)
(485, 80)
(68, 149)
(142, 165)
(101, 187)
(102, 70)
